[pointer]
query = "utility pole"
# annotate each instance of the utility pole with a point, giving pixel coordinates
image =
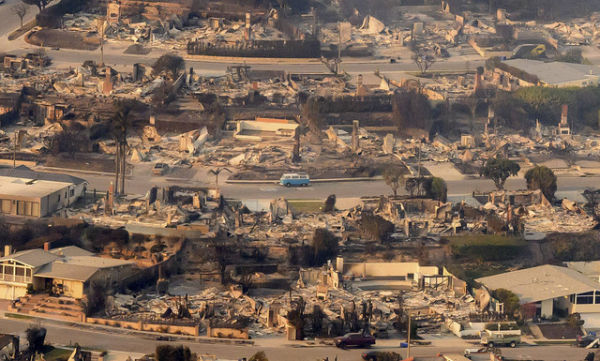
(408, 337)
(101, 28)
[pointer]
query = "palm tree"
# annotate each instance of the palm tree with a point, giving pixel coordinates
(120, 125)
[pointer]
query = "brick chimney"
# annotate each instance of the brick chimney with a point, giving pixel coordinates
(46, 246)
(564, 114)
(8, 250)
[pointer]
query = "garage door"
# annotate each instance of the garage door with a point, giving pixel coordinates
(591, 320)
(6, 292)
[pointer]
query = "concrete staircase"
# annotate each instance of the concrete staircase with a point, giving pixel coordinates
(43, 305)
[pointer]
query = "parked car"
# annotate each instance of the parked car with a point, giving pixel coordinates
(381, 356)
(501, 338)
(159, 168)
(355, 339)
(294, 179)
(585, 341)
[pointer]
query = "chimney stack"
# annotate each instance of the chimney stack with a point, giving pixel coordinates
(7, 250)
(563, 115)
(46, 246)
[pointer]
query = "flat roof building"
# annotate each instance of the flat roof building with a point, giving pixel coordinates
(514, 73)
(24, 192)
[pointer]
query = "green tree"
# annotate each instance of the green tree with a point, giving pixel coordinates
(168, 64)
(325, 246)
(499, 169)
(438, 190)
(394, 177)
(542, 178)
(509, 299)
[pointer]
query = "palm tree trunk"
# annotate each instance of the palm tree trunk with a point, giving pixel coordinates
(123, 167)
(117, 168)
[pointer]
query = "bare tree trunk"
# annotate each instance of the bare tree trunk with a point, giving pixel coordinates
(123, 167)
(117, 168)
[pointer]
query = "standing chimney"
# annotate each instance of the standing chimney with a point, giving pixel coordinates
(563, 115)
(46, 246)
(7, 250)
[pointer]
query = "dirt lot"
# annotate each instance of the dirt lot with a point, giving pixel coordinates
(83, 161)
(560, 331)
(63, 39)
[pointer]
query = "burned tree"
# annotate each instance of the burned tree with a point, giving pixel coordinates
(411, 109)
(423, 61)
(120, 124)
(20, 10)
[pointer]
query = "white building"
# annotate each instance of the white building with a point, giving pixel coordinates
(24, 192)
(552, 288)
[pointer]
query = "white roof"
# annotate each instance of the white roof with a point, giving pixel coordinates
(556, 72)
(541, 283)
(31, 188)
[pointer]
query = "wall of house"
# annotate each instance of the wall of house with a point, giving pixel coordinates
(12, 292)
(114, 276)
(547, 308)
(191, 330)
(70, 288)
(222, 332)
(388, 269)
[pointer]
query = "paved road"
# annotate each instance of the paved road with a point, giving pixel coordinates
(140, 182)
(10, 21)
(277, 349)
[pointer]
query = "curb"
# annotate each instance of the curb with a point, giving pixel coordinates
(152, 335)
(322, 180)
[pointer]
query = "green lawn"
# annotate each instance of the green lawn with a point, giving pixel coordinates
(305, 205)
(18, 316)
(58, 354)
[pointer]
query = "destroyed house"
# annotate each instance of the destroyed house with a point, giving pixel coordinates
(9, 346)
(24, 192)
(547, 290)
(65, 271)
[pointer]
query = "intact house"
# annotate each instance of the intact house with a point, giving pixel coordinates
(515, 73)
(549, 290)
(68, 271)
(24, 192)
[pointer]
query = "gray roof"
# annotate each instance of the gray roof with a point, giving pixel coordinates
(65, 271)
(25, 172)
(554, 73)
(78, 268)
(70, 251)
(541, 283)
(32, 257)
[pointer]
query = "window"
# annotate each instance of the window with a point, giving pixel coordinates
(585, 298)
(25, 208)
(597, 297)
(5, 206)
(71, 192)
